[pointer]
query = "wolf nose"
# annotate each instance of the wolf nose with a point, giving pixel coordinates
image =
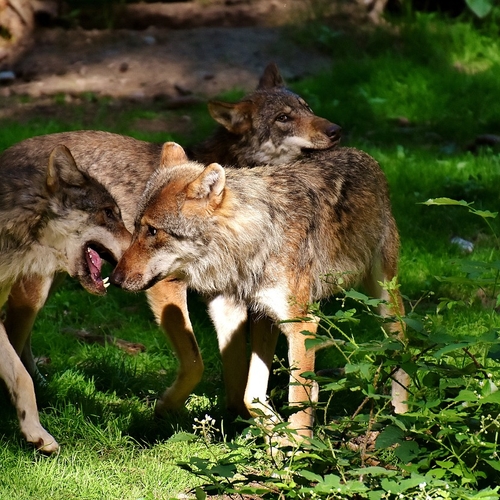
(333, 131)
(117, 277)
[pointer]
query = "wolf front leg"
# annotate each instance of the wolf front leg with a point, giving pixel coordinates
(22, 393)
(27, 296)
(168, 301)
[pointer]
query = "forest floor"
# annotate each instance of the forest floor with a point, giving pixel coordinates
(177, 54)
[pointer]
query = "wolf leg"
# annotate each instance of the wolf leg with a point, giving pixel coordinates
(301, 391)
(22, 393)
(230, 321)
(168, 301)
(264, 340)
(393, 306)
(27, 297)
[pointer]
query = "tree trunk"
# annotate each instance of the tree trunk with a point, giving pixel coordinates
(16, 30)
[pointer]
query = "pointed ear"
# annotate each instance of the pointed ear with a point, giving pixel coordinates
(208, 185)
(172, 154)
(62, 169)
(271, 78)
(235, 117)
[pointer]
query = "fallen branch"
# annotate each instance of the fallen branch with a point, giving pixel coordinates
(93, 338)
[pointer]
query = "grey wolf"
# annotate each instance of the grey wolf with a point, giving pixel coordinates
(271, 126)
(54, 218)
(264, 238)
(272, 118)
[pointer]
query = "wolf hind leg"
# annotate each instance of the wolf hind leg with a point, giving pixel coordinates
(302, 392)
(168, 301)
(22, 393)
(263, 341)
(230, 321)
(392, 307)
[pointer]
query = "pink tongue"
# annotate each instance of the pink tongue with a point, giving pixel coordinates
(95, 263)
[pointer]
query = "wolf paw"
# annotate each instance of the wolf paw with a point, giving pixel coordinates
(42, 440)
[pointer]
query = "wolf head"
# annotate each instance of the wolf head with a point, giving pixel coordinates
(174, 220)
(84, 221)
(272, 125)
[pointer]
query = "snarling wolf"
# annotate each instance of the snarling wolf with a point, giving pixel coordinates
(53, 218)
(264, 239)
(271, 123)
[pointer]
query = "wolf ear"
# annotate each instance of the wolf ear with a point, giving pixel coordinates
(271, 78)
(235, 117)
(208, 185)
(62, 169)
(172, 154)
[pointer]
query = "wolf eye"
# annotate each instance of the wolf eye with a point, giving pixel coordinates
(151, 231)
(110, 214)
(283, 118)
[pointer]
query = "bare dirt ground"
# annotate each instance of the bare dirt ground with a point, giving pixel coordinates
(187, 51)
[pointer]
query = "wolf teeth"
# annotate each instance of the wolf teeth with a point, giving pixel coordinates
(89, 253)
(105, 283)
(106, 279)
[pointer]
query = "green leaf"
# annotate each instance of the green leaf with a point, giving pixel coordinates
(445, 464)
(486, 213)
(446, 201)
(310, 476)
(415, 324)
(224, 470)
(407, 451)
(481, 8)
(182, 437)
(390, 436)
(495, 464)
(491, 398)
(373, 471)
(312, 343)
(200, 494)
(449, 348)
(466, 395)
(361, 297)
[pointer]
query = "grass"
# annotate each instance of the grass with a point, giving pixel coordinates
(415, 96)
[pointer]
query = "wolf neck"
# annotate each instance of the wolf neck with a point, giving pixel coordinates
(242, 242)
(37, 258)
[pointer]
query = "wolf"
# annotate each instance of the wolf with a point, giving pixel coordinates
(52, 219)
(273, 239)
(266, 123)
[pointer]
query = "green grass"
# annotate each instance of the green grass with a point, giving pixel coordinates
(442, 79)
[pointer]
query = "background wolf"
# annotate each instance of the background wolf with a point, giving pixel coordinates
(273, 238)
(271, 123)
(53, 218)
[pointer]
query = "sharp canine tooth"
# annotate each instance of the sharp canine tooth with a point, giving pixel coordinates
(106, 279)
(106, 285)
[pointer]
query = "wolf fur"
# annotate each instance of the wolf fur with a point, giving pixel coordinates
(54, 218)
(266, 238)
(123, 165)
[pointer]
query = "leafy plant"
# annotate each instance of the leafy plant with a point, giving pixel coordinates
(446, 447)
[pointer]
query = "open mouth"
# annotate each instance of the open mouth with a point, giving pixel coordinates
(95, 254)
